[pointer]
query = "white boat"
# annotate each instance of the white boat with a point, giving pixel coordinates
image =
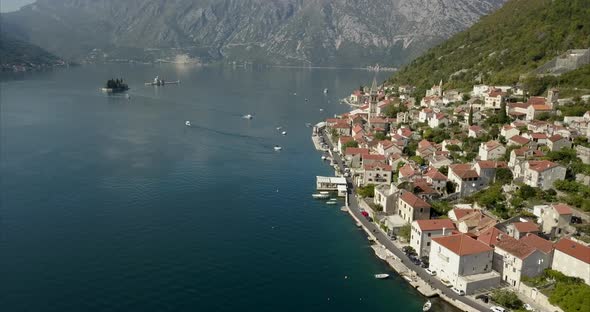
(320, 196)
(308, 125)
(277, 148)
(407, 278)
(427, 306)
(333, 199)
(381, 276)
(325, 192)
(187, 123)
(331, 202)
(284, 133)
(321, 109)
(248, 116)
(279, 128)
(324, 157)
(159, 82)
(325, 90)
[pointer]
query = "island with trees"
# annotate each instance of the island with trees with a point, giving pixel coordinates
(115, 85)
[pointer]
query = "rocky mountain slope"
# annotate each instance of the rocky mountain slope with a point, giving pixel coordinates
(17, 55)
(297, 32)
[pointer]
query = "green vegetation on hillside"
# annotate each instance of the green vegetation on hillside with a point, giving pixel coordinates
(514, 40)
(14, 52)
(569, 293)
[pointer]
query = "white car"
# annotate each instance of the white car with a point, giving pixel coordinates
(458, 291)
(498, 309)
(431, 272)
(528, 307)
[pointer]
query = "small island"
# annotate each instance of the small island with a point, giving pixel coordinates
(115, 85)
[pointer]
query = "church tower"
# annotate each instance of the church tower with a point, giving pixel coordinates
(373, 101)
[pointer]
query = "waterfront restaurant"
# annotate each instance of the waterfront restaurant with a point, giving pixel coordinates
(332, 184)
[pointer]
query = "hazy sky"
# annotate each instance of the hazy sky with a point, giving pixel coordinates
(13, 5)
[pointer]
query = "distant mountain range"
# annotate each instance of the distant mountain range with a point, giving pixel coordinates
(294, 32)
(503, 47)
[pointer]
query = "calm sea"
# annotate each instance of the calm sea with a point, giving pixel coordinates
(113, 204)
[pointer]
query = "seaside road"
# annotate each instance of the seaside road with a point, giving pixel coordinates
(354, 207)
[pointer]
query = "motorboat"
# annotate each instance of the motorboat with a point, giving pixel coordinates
(325, 90)
(324, 157)
(381, 276)
(279, 128)
(427, 306)
(160, 82)
(277, 148)
(330, 202)
(333, 199)
(308, 125)
(187, 123)
(248, 116)
(320, 196)
(321, 109)
(284, 133)
(325, 192)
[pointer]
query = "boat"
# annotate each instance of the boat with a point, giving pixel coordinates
(187, 123)
(333, 199)
(427, 306)
(159, 82)
(320, 196)
(279, 128)
(325, 192)
(330, 202)
(248, 116)
(324, 157)
(407, 278)
(381, 276)
(325, 90)
(358, 224)
(308, 125)
(343, 208)
(277, 148)
(321, 109)
(284, 133)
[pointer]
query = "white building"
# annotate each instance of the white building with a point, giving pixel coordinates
(572, 259)
(464, 262)
(555, 219)
(519, 259)
(424, 230)
(491, 150)
(542, 173)
(411, 207)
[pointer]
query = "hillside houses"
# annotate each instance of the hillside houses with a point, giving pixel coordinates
(442, 152)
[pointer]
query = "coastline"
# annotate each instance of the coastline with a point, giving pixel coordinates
(383, 252)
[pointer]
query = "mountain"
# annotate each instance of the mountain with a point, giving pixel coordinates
(502, 47)
(17, 55)
(296, 32)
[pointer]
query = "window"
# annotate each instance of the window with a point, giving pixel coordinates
(429, 234)
(428, 244)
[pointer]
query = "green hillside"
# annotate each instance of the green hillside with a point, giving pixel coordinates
(14, 52)
(512, 41)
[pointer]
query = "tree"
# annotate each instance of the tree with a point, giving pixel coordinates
(503, 175)
(366, 191)
(380, 136)
(502, 115)
(405, 231)
(350, 144)
(470, 118)
(506, 298)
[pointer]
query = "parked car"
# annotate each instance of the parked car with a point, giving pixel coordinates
(458, 291)
(498, 309)
(424, 265)
(528, 307)
(431, 272)
(446, 283)
(483, 297)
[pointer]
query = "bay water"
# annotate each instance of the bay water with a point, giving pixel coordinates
(111, 203)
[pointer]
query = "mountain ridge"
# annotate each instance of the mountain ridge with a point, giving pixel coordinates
(294, 32)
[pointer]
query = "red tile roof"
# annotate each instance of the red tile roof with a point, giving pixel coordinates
(434, 174)
(536, 100)
(555, 138)
(475, 128)
(463, 171)
(373, 157)
(576, 250)
(526, 227)
(492, 236)
(519, 140)
(414, 201)
(407, 170)
(491, 164)
(462, 244)
(435, 224)
(356, 150)
(516, 248)
(345, 139)
(377, 165)
(536, 135)
(541, 165)
(562, 209)
(535, 241)
(460, 213)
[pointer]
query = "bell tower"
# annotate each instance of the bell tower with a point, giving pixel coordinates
(373, 101)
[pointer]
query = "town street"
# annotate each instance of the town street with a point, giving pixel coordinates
(354, 207)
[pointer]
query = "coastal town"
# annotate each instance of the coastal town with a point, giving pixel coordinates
(479, 197)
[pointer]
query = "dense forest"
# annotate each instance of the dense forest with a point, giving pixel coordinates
(503, 46)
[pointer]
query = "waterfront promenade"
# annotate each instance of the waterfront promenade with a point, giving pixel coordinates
(462, 302)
